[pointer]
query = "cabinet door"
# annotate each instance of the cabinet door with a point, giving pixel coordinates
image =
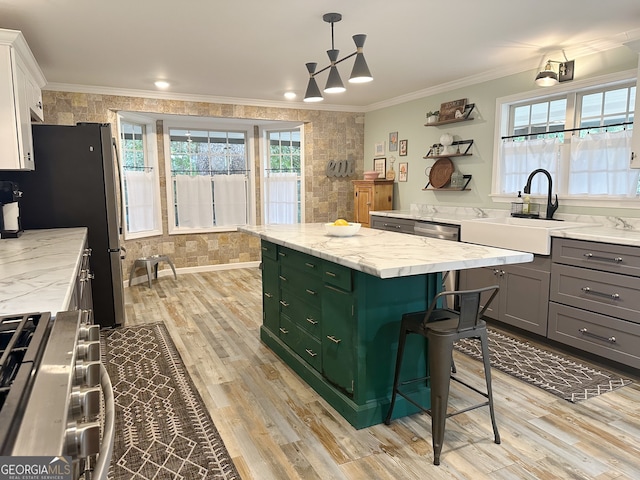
(483, 277)
(270, 294)
(363, 202)
(524, 298)
(338, 325)
(25, 141)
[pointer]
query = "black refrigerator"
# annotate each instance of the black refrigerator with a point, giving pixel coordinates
(74, 184)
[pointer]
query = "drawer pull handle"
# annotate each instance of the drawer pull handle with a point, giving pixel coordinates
(284, 279)
(264, 249)
(587, 333)
(331, 274)
(333, 339)
(284, 330)
(310, 292)
(312, 321)
(596, 257)
(614, 296)
(311, 352)
(282, 254)
(310, 265)
(283, 303)
(268, 295)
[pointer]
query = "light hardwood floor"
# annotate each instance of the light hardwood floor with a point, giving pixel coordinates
(276, 427)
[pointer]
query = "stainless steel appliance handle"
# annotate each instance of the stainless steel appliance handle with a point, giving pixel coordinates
(442, 233)
(106, 449)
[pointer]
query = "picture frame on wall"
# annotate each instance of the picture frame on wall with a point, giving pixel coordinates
(403, 171)
(393, 142)
(403, 148)
(379, 149)
(380, 166)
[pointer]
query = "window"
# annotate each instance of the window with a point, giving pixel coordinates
(139, 177)
(282, 177)
(209, 187)
(582, 136)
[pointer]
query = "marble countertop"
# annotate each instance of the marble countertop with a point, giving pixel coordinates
(605, 229)
(386, 254)
(38, 270)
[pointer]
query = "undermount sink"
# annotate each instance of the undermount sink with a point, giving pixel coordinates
(531, 235)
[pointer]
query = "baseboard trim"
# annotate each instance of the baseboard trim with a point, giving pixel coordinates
(199, 269)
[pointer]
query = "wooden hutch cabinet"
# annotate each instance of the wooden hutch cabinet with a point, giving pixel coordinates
(371, 195)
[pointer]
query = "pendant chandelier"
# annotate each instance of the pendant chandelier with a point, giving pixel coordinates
(359, 74)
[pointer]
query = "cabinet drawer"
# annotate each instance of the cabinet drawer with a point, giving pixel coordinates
(607, 337)
(598, 256)
(601, 292)
(306, 316)
(337, 275)
(308, 347)
(303, 262)
(269, 250)
(392, 224)
(300, 286)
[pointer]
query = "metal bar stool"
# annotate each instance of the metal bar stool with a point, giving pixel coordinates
(150, 263)
(442, 327)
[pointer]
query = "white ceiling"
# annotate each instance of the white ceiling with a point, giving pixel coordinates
(255, 50)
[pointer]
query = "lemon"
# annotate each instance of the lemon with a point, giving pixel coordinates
(341, 222)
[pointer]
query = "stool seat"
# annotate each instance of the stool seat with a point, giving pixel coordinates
(442, 327)
(150, 263)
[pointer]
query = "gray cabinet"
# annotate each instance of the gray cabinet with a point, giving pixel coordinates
(523, 298)
(390, 224)
(595, 298)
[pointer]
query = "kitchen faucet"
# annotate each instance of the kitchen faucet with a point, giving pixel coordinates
(551, 207)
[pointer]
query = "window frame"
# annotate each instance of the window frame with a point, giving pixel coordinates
(502, 128)
(208, 123)
(265, 151)
(150, 139)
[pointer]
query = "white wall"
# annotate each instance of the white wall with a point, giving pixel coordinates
(408, 120)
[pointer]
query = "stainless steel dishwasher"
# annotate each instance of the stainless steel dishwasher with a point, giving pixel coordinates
(422, 228)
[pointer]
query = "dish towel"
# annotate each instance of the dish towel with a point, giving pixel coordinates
(230, 199)
(195, 201)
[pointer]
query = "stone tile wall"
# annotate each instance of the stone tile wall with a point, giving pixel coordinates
(328, 136)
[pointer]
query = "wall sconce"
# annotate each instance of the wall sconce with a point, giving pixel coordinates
(548, 77)
(359, 74)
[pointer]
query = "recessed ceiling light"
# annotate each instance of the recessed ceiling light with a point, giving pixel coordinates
(290, 95)
(162, 84)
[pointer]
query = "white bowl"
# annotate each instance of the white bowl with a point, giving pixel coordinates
(342, 230)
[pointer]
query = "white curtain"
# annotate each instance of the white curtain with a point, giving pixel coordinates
(600, 165)
(281, 197)
(230, 199)
(195, 201)
(519, 159)
(140, 200)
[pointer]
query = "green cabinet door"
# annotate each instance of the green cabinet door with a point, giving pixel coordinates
(338, 330)
(270, 294)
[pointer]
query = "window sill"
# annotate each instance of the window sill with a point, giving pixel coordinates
(191, 231)
(146, 234)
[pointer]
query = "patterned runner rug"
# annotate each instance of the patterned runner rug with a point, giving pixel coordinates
(565, 378)
(163, 430)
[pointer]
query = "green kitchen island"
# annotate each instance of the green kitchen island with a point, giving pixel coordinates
(332, 308)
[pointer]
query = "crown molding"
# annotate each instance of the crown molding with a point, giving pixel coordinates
(187, 97)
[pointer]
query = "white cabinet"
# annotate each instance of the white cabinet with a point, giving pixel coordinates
(21, 81)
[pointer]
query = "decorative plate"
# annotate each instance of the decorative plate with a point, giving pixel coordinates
(440, 173)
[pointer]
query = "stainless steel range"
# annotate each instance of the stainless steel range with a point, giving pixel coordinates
(56, 398)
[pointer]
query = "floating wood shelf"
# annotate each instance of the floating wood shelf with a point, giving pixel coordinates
(467, 179)
(465, 153)
(465, 117)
